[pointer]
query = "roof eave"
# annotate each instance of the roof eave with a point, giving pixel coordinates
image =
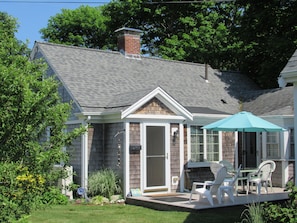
(287, 77)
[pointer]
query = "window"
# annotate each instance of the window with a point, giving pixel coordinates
(212, 146)
(197, 145)
(273, 145)
(204, 148)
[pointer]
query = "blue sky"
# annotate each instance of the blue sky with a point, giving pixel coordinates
(34, 14)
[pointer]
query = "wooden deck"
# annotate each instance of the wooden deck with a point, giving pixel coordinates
(180, 201)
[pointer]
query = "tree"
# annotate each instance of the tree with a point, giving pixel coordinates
(256, 38)
(157, 21)
(29, 104)
(268, 31)
(205, 37)
(84, 26)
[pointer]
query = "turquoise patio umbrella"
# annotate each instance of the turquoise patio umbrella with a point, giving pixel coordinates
(243, 122)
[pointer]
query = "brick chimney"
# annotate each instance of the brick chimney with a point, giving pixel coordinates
(129, 41)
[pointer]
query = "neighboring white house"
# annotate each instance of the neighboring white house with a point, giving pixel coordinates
(289, 75)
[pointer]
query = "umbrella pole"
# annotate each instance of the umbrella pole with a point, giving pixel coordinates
(243, 149)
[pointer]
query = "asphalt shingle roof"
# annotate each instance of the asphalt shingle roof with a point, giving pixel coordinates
(278, 101)
(104, 80)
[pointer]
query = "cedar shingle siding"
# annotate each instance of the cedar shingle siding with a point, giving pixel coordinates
(174, 158)
(228, 146)
(74, 152)
(135, 156)
(113, 147)
(95, 145)
(277, 175)
(154, 107)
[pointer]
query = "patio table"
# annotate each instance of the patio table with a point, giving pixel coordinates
(243, 178)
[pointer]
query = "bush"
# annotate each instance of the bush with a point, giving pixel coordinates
(286, 212)
(104, 183)
(20, 191)
(99, 200)
(53, 196)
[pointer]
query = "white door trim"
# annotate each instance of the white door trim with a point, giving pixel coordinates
(167, 155)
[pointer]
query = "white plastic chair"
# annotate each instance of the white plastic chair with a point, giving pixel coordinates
(229, 185)
(229, 166)
(215, 167)
(210, 188)
(262, 176)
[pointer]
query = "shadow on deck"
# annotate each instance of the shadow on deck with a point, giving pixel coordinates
(180, 201)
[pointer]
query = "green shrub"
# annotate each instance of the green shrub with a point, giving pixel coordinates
(104, 183)
(53, 196)
(99, 200)
(20, 191)
(285, 212)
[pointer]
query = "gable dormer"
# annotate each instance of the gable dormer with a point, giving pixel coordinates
(158, 105)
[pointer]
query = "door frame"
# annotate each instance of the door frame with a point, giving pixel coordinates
(249, 151)
(166, 187)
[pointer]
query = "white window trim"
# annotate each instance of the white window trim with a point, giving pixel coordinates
(206, 163)
(278, 143)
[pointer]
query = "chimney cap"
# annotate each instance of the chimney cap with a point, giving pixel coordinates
(129, 30)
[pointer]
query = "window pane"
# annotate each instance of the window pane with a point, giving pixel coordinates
(273, 145)
(212, 146)
(197, 154)
(197, 145)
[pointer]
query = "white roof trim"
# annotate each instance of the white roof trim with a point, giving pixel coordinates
(155, 117)
(165, 98)
(287, 77)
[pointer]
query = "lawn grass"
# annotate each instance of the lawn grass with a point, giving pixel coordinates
(74, 213)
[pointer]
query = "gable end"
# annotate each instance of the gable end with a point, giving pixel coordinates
(154, 107)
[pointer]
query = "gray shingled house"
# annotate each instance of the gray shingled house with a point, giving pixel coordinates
(144, 116)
